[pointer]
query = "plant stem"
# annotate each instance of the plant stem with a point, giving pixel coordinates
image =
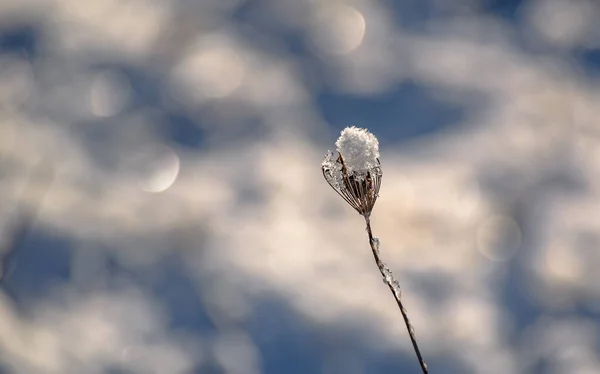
(393, 285)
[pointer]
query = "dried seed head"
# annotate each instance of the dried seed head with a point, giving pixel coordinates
(355, 174)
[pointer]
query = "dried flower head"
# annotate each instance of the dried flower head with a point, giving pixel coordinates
(355, 174)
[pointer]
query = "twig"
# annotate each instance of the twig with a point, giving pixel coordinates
(395, 288)
(356, 176)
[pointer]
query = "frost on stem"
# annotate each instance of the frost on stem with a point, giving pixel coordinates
(376, 244)
(388, 276)
(355, 174)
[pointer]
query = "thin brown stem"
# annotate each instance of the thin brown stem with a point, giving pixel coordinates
(392, 284)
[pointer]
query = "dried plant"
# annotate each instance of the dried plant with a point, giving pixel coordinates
(355, 174)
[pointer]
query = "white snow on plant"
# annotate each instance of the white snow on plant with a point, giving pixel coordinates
(329, 160)
(359, 149)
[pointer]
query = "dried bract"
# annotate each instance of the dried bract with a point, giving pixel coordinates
(359, 180)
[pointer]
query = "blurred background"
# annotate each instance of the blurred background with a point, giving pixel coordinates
(163, 209)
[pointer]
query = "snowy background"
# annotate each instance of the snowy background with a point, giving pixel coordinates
(163, 210)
